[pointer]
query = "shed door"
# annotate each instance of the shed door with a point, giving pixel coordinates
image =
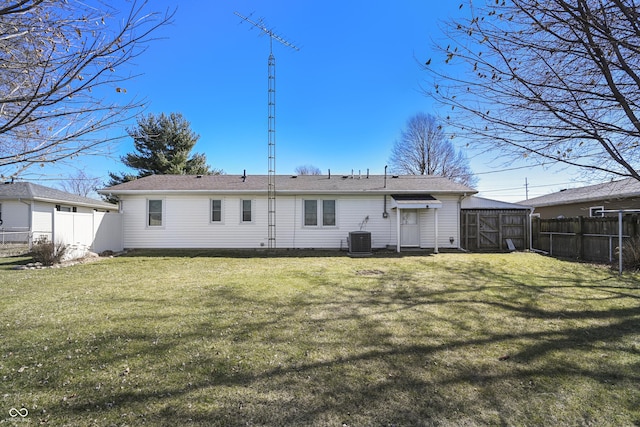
(409, 227)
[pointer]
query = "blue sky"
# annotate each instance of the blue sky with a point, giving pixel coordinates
(341, 100)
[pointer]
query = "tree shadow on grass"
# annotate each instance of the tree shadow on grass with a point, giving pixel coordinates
(388, 349)
(271, 254)
(9, 262)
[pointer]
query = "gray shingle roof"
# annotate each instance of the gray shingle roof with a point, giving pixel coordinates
(482, 203)
(624, 188)
(31, 191)
(336, 184)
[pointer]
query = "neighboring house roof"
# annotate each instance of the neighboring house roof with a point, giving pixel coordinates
(292, 184)
(30, 191)
(475, 202)
(621, 189)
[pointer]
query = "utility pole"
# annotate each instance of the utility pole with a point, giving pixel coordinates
(526, 189)
(271, 118)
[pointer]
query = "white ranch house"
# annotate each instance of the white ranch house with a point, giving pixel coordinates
(312, 211)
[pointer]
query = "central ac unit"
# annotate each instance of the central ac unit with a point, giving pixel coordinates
(360, 243)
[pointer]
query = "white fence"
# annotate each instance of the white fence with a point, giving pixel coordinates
(97, 231)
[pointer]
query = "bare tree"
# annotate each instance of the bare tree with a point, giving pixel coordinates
(81, 184)
(60, 63)
(552, 80)
(423, 150)
(308, 170)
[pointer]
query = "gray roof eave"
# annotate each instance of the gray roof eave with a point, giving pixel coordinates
(288, 192)
(97, 205)
(582, 200)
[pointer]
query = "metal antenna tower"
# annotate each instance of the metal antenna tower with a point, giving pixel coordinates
(271, 186)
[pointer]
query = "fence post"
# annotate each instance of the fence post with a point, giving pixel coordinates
(579, 231)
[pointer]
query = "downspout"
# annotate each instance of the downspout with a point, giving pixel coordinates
(385, 214)
(531, 229)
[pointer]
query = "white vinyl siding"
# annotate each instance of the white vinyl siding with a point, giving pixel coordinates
(186, 220)
(42, 219)
(15, 215)
(448, 224)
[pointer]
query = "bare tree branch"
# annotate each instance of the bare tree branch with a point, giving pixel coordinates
(81, 184)
(308, 170)
(424, 150)
(60, 63)
(548, 79)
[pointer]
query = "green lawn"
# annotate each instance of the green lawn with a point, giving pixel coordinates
(191, 338)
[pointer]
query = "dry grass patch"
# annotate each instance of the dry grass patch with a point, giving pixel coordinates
(191, 338)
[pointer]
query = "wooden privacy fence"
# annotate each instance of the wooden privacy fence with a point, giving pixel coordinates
(586, 239)
(487, 230)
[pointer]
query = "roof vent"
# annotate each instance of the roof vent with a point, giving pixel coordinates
(394, 176)
(198, 176)
(294, 176)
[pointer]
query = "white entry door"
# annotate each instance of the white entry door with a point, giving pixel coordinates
(409, 227)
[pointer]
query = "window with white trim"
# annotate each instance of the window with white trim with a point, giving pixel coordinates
(154, 213)
(310, 213)
(328, 213)
(596, 211)
(319, 209)
(216, 210)
(247, 208)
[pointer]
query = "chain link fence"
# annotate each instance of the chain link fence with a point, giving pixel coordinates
(14, 242)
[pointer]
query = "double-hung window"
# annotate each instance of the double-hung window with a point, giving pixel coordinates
(216, 210)
(319, 213)
(154, 213)
(310, 213)
(246, 211)
(328, 213)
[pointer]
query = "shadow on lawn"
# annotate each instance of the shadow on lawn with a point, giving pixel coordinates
(266, 253)
(395, 352)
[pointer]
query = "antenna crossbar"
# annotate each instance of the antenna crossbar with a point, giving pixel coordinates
(268, 31)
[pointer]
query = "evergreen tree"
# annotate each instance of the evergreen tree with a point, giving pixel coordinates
(163, 146)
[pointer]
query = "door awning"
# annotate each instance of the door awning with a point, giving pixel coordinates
(414, 201)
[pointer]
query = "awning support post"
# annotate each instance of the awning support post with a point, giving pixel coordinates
(398, 228)
(435, 221)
